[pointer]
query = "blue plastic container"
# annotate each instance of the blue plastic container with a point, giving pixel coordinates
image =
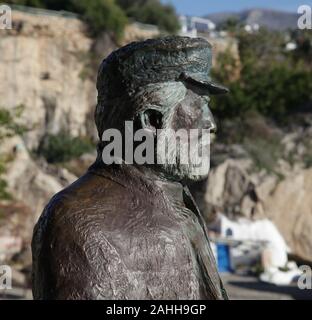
(224, 260)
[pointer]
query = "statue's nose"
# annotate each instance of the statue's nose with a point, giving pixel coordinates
(210, 123)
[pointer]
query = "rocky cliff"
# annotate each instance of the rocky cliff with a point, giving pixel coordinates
(42, 62)
(237, 188)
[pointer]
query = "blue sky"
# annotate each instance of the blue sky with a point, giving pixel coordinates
(202, 7)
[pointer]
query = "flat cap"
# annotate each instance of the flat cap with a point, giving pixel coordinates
(171, 58)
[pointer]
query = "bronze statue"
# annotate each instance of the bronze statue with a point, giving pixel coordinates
(130, 231)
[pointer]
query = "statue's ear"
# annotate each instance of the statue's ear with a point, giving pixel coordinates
(151, 119)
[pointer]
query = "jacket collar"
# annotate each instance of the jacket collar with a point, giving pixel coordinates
(130, 176)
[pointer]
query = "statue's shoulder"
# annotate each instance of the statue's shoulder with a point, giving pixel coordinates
(98, 204)
(77, 222)
(90, 196)
(77, 213)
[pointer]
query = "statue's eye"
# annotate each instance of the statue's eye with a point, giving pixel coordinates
(153, 118)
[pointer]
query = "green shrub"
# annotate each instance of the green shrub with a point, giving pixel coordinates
(8, 124)
(257, 135)
(231, 24)
(102, 15)
(8, 127)
(303, 40)
(30, 3)
(271, 82)
(275, 92)
(111, 15)
(62, 147)
(4, 194)
(264, 152)
(152, 12)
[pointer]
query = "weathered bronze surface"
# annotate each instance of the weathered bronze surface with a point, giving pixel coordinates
(134, 231)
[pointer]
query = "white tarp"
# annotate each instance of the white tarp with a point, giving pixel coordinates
(261, 231)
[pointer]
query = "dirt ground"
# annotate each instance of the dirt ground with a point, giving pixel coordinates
(250, 288)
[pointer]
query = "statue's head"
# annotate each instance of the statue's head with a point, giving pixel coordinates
(160, 84)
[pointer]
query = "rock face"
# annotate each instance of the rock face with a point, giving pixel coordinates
(15, 226)
(28, 182)
(226, 45)
(227, 184)
(42, 64)
(30, 187)
(232, 189)
(139, 31)
(290, 207)
(45, 66)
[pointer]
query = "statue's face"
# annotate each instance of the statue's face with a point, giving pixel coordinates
(181, 108)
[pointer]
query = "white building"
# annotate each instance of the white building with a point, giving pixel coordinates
(252, 27)
(191, 26)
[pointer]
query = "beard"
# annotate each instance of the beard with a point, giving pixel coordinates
(186, 158)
